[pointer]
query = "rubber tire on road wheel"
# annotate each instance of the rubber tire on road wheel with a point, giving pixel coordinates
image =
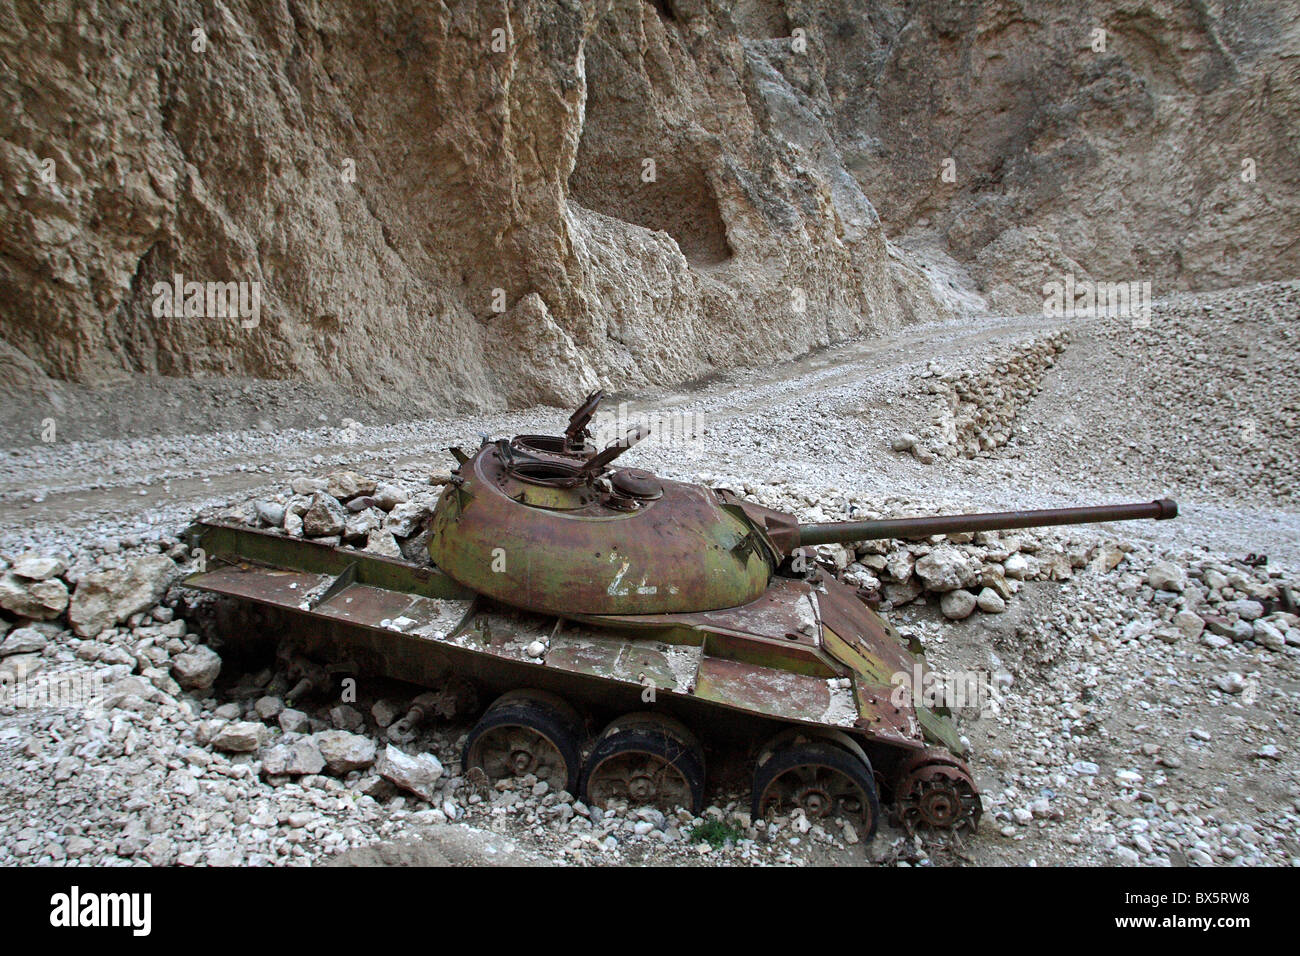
(663, 737)
(824, 754)
(541, 713)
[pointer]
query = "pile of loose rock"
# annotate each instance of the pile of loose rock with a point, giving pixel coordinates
(371, 514)
(1204, 400)
(95, 604)
(966, 572)
(963, 572)
(1183, 778)
(178, 762)
(977, 407)
(1221, 604)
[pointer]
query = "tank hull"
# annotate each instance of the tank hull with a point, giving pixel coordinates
(804, 653)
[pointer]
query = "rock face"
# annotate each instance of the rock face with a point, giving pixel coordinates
(473, 205)
(496, 204)
(1050, 126)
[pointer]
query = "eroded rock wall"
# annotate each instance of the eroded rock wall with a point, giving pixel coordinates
(451, 202)
(1155, 150)
(474, 204)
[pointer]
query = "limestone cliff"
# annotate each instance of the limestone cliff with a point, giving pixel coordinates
(474, 204)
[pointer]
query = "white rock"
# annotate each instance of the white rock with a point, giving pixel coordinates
(388, 496)
(1126, 856)
(418, 774)
(1017, 567)
(382, 542)
(325, 517)
(1265, 634)
(360, 525)
(345, 752)
(943, 569)
(269, 513)
(36, 567)
(293, 721)
(344, 485)
(990, 602)
(268, 707)
(196, 668)
(405, 519)
(39, 600)
(307, 486)
(1189, 623)
(1167, 576)
(1230, 683)
(957, 605)
(297, 759)
(899, 565)
(240, 736)
(104, 598)
(1245, 609)
(23, 640)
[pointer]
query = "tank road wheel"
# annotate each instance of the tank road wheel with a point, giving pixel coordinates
(824, 780)
(523, 732)
(648, 760)
(935, 791)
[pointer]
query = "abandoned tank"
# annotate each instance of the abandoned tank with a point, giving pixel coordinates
(620, 622)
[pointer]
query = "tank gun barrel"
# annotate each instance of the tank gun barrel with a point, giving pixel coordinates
(842, 532)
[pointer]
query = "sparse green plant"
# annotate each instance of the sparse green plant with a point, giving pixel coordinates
(716, 833)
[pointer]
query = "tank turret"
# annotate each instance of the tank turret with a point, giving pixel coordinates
(549, 524)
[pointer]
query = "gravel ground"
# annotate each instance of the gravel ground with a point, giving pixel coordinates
(1147, 682)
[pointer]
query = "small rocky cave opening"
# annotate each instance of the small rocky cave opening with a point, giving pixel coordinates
(664, 9)
(761, 19)
(657, 192)
(631, 167)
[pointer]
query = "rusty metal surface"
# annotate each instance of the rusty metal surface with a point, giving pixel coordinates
(862, 639)
(804, 652)
(569, 550)
(861, 629)
(781, 529)
(778, 629)
(775, 693)
(283, 588)
(611, 656)
(395, 610)
(848, 531)
(935, 790)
